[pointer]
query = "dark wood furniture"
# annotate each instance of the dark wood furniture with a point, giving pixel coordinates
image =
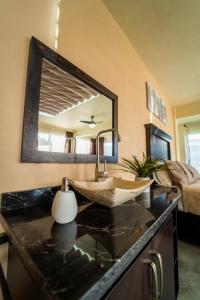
(137, 282)
(29, 152)
(153, 274)
(20, 284)
(158, 146)
(157, 142)
(189, 227)
(87, 258)
(3, 284)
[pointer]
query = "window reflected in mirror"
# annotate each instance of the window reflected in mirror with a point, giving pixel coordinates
(71, 113)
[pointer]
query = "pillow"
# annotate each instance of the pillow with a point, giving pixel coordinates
(190, 178)
(193, 171)
(163, 178)
(180, 174)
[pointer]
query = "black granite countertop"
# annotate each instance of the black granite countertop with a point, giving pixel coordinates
(82, 259)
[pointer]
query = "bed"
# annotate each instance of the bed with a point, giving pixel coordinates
(158, 145)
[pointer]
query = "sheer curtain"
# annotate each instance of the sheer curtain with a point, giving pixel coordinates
(192, 141)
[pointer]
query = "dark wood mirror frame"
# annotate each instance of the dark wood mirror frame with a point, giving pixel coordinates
(158, 143)
(29, 151)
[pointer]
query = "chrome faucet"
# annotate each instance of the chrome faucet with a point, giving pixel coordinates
(99, 173)
(70, 139)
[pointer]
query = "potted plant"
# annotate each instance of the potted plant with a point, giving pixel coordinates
(142, 169)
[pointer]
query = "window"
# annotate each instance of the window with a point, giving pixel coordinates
(82, 146)
(107, 148)
(51, 142)
(193, 150)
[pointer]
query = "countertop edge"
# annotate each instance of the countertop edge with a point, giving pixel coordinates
(98, 290)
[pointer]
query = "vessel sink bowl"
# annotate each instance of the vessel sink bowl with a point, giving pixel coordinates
(111, 192)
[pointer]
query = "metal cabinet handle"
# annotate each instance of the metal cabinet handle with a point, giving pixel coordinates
(159, 257)
(154, 269)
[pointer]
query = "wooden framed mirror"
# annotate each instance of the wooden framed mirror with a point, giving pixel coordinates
(64, 110)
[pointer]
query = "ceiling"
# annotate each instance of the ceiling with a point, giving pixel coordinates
(60, 91)
(189, 119)
(166, 35)
(100, 107)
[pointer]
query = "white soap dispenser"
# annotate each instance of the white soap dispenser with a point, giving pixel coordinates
(64, 208)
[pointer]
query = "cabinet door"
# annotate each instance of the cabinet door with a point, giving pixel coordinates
(136, 283)
(163, 256)
(19, 282)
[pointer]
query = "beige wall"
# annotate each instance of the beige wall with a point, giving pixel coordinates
(188, 110)
(185, 113)
(91, 39)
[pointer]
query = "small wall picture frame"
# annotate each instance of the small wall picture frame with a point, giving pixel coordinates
(155, 104)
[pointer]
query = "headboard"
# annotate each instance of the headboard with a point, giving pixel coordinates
(157, 142)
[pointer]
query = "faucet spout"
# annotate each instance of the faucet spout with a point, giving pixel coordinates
(98, 172)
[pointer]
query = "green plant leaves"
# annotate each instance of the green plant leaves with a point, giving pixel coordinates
(141, 168)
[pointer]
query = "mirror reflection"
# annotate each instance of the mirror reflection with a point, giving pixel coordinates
(71, 113)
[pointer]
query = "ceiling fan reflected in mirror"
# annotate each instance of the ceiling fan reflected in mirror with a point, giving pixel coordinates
(91, 123)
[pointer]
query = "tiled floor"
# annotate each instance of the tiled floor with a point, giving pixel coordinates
(189, 271)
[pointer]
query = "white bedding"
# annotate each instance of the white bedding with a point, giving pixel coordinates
(190, 191)
(191, 198)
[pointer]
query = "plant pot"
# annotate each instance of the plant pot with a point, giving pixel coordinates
(147, 190)
(144, 199)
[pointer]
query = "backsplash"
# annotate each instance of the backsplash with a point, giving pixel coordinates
(17, 200)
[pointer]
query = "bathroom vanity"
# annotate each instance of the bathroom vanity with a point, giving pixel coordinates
(127, 252)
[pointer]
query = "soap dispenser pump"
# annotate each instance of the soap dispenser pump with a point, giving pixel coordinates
(64, 208)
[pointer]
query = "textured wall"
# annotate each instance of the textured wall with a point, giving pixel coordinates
(91, 39)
